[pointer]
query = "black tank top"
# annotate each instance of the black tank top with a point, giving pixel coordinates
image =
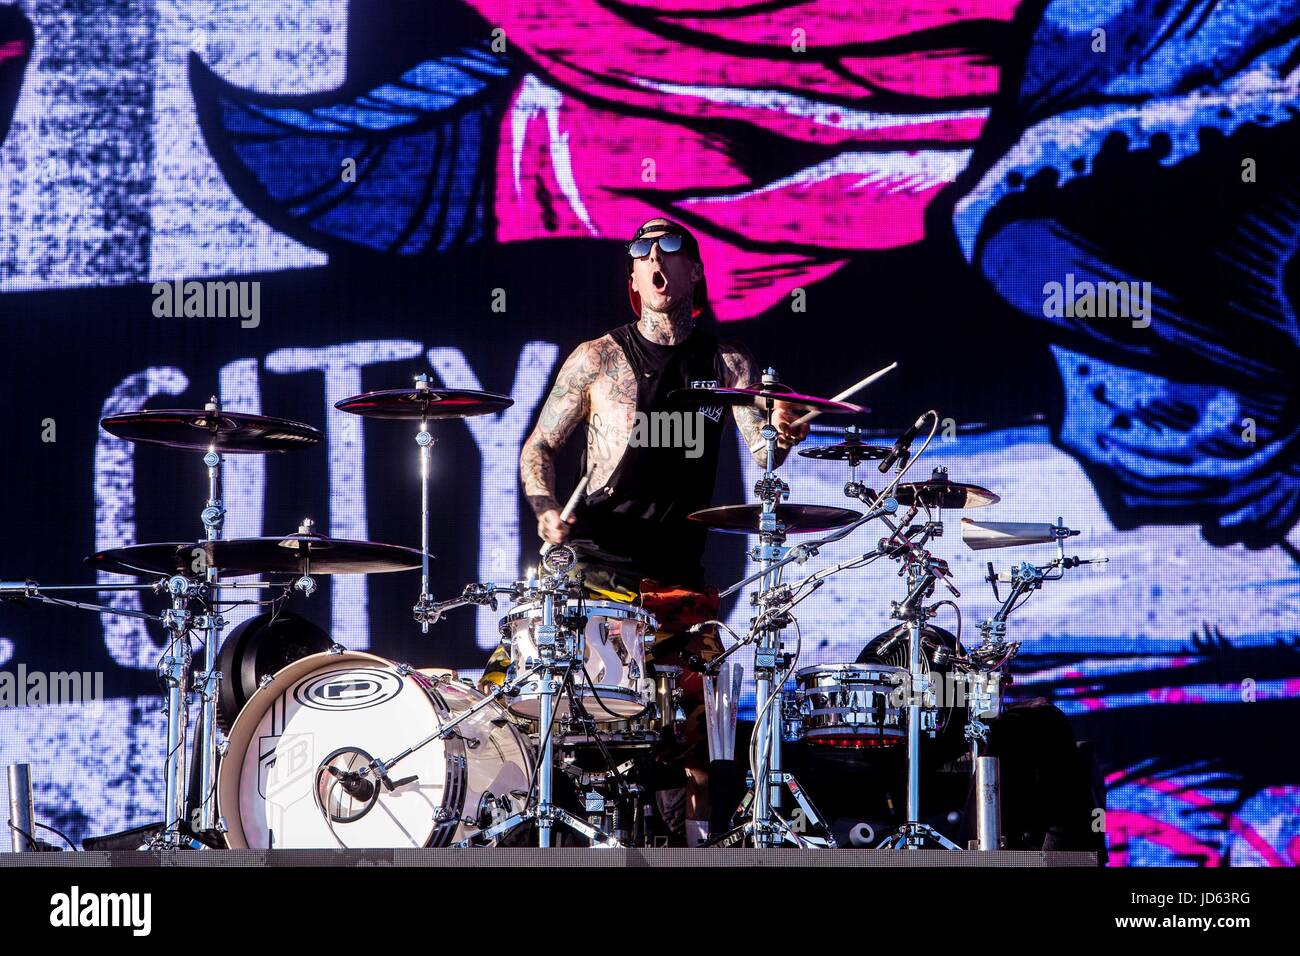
(636, 522)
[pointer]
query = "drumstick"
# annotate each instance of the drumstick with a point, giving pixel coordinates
(851, 390)
(569, 507)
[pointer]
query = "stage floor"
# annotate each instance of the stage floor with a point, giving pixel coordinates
(556, 857)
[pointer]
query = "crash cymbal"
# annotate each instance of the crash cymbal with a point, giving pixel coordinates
(760, 397)
(196, 429)
(942, 492)
(795, 519)
(852, 450)
(427, 403)
(288, 554)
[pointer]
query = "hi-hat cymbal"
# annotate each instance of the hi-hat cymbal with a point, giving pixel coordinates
(761, 397)
(852, 450)
(287, 554)
(941, 492)
(197, 429)
(793, 519)
(424, 403)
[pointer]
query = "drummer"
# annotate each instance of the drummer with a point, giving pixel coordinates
(649, 464)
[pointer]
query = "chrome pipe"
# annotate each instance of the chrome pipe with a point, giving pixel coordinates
(22, 818)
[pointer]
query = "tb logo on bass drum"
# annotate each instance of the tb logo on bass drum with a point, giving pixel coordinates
(348, 690)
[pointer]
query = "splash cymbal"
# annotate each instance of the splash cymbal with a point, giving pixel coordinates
(793, 519)
(941, 492)
(852, 450)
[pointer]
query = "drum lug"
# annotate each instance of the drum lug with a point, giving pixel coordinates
(403, 669)
(336, 649)
(264, 680)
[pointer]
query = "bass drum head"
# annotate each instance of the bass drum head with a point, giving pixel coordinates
(339, 710)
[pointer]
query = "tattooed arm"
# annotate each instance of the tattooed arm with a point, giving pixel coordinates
(742, 373)
(565, 407)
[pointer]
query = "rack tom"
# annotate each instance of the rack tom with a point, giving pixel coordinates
(613, 685)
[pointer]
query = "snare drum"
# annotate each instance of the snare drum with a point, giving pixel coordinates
(331, 713)
(642, 732)
(855, 706)
(614, 644)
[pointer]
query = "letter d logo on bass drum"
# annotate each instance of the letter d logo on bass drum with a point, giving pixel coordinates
(348, 689)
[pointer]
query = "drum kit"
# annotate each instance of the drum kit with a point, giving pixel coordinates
(342, 748)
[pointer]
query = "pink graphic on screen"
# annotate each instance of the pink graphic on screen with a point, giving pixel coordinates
(648, 120)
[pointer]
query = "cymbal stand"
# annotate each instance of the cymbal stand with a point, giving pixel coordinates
(785, 597)
(765, 827)
(987, 666)
(995, 652)
(425, 440)
(921, 576)
(173, 669)
(211, 624)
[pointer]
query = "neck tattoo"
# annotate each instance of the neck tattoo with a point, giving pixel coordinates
(667, 328)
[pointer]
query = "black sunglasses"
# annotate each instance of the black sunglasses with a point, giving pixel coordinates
(668, 242)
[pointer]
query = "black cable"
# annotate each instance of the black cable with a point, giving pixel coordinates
(582, 615)
(555, 712)
(30, 839)
(70, 844)
(596, 694)
(953, 605)
(595, 733)
(1020, 602)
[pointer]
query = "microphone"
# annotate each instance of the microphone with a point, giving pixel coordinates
(1077, 561)
(353, 783)
(992, 578)
(903, 444)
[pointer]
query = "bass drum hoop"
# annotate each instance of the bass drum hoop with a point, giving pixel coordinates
(229, 771)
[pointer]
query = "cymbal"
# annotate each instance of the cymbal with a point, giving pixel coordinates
(427, 403)
(287, 554)
(852, 450)
(761, 397)
(795, 519)
(195, 429)
(940, 492)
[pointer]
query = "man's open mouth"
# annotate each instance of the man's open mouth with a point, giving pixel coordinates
(660, 280)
